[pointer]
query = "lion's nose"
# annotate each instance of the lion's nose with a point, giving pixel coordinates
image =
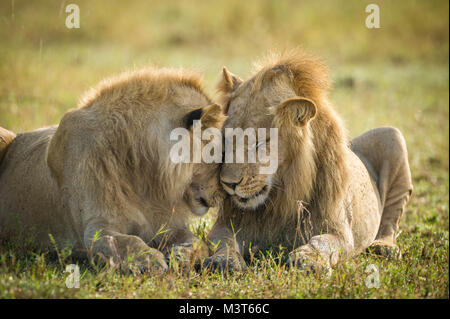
(231, 183)
(230, 177)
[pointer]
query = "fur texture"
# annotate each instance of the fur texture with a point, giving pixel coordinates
(106, 168)
(321, 203)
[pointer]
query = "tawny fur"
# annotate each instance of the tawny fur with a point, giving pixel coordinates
(107, 167)
(318, 175)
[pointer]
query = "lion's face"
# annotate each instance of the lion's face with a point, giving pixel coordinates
(204, 191)
(243, 181)
(261, 103)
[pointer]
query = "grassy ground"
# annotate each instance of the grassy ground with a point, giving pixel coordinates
(396, 75)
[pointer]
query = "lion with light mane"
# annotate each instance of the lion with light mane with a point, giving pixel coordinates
(105, 170)
(329, 198)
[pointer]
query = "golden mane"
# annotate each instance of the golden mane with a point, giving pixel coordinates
(316, 172)
(323, 146)
(148, 84)
(127, 158)
(107, 169)
(308, 74)
(323, 202)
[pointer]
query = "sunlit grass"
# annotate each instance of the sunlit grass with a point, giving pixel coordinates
(396, 75)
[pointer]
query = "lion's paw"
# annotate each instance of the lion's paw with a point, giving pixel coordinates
(385, 251)
(309, 261)
(223, 263)
(152, 261)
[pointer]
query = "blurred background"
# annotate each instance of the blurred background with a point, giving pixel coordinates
(395, 75)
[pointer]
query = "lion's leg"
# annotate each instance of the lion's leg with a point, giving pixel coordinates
(226, 256)
(187, 249)
(385, 150)
(126, 251)
(321, 253)
(396, 187)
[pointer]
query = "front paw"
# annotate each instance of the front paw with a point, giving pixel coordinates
(308, 259)
(127, 253)
(182, 253)
(223, 263)
(149, 261)
(188, 255)
(181, 257)
(385, 251)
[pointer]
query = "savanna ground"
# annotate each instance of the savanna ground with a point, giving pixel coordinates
(396, 75)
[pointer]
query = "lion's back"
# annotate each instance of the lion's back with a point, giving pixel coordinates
(28, 194)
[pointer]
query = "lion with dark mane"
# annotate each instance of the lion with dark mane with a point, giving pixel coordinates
(101, 182)
(329, 198)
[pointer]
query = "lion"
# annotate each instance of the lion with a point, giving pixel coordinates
(102, 183)
(327, 200)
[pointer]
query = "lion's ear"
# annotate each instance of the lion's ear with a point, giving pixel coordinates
(228, 82)
(295, 110)
(213, 116)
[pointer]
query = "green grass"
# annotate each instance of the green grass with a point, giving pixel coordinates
(396, 75)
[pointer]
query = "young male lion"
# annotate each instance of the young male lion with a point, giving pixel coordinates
(324, 202)
(104, 172)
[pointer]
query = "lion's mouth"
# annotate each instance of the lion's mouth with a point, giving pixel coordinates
(200, 206)
(255, 200)
(202, 202)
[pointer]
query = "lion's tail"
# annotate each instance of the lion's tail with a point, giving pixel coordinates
(6, 137)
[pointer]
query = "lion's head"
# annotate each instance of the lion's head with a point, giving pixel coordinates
(287, 92)
(129, 119)
(204, 191)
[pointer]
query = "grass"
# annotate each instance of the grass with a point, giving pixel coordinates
(396, 75)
